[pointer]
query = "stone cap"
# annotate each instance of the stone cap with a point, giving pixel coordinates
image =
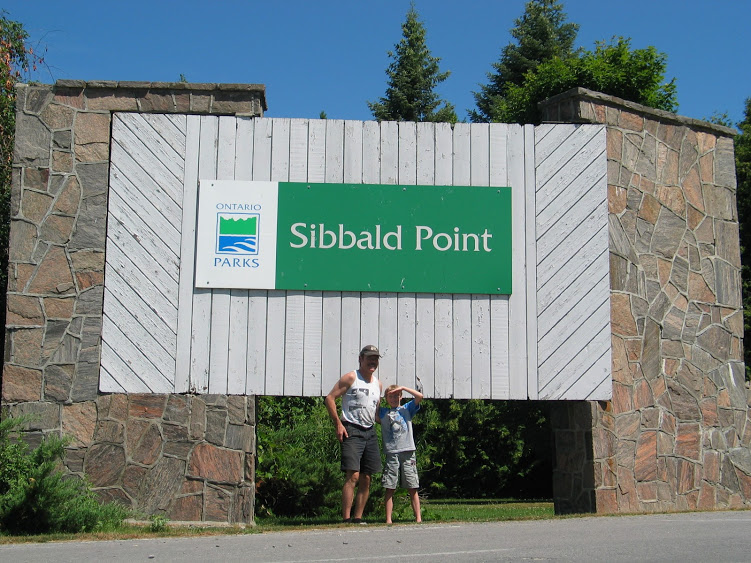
(231, 98)
(584, 95)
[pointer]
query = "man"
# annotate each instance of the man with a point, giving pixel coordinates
(361, 458)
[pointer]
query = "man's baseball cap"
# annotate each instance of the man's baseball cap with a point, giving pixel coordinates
(370, 350)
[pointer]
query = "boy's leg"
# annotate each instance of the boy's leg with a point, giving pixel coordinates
(389, 504)
(415, 498)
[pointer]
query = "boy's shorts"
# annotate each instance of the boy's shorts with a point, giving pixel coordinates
(360, 451)
(400, 464)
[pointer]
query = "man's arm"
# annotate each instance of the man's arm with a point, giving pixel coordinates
(339, 389)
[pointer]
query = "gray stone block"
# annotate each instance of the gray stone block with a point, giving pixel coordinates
(32, 142)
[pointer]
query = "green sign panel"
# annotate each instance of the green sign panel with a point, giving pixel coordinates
(427, 239)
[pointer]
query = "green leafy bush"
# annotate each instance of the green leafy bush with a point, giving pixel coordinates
(297, 469)
(484, 449)
(37, 498)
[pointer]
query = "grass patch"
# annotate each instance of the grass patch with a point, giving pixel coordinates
(434, 511)
(485, 510)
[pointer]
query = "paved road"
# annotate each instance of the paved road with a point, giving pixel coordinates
(708, 536)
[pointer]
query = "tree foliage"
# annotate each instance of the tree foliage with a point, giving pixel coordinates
(743, 175)
(413, 76)
(484, 449)
(541, 34)
(613, 68)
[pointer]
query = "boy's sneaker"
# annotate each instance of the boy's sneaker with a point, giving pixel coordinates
(359, 521)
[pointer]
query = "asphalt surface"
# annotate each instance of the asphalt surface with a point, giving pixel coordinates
(705, 536)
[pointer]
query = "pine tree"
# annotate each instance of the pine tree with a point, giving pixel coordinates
(412, 78)
(542, 33)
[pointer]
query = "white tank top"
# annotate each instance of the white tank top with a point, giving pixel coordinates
(360, 402)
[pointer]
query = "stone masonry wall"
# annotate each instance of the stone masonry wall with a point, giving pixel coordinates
(676, 434)
(187, 457)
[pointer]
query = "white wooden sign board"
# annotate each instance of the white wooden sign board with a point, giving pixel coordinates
(550, 339)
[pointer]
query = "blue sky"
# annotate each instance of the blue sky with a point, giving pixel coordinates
(331, 55)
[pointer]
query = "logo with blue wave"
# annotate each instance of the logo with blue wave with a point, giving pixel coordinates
(237, 233)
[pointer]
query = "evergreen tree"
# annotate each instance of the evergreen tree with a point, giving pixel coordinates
(542, 33)
(413, 76)
(612, 68)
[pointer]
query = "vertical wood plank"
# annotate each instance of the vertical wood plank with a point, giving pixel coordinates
(462, 333)
(389, 152)
(425, 343)
(499, 336)
(479, 140)
(237, 380)
(316, 150)
(531, 260)
(371, 152)
(294, 324)
(258, 299)
(387, 338)
(498, 155)
(313, 347)
(407, 153)
(444, 346)
(443, 384)
(518, 354)
(295, 317)
(462, 309)
(406, 321)
(406, 303)
(331, 364)
(255, 383)
(200, 334)
(187, 255)
(444, 152)
(425, 303)
(353, 142)
(331, 354)
(220, 298)
(350, 332)
(481, 385)
(298, 150)
(499, 310)
(276, 345)
(426, 154)
(369, 315)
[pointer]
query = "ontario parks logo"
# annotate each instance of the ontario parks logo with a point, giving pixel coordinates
(237, 233)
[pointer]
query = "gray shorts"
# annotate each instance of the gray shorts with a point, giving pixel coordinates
(401, 464)
(360, 451)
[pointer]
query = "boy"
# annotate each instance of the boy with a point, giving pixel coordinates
(399, 445)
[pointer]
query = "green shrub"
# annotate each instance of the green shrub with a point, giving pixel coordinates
(37, 498)
(297, 470)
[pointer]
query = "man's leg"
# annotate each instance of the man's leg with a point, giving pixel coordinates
(348, 492)
(363, 491)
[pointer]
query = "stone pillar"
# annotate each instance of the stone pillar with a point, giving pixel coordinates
(187, 457)
(676, 434)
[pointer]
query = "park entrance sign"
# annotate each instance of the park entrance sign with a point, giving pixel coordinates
(354, 237)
